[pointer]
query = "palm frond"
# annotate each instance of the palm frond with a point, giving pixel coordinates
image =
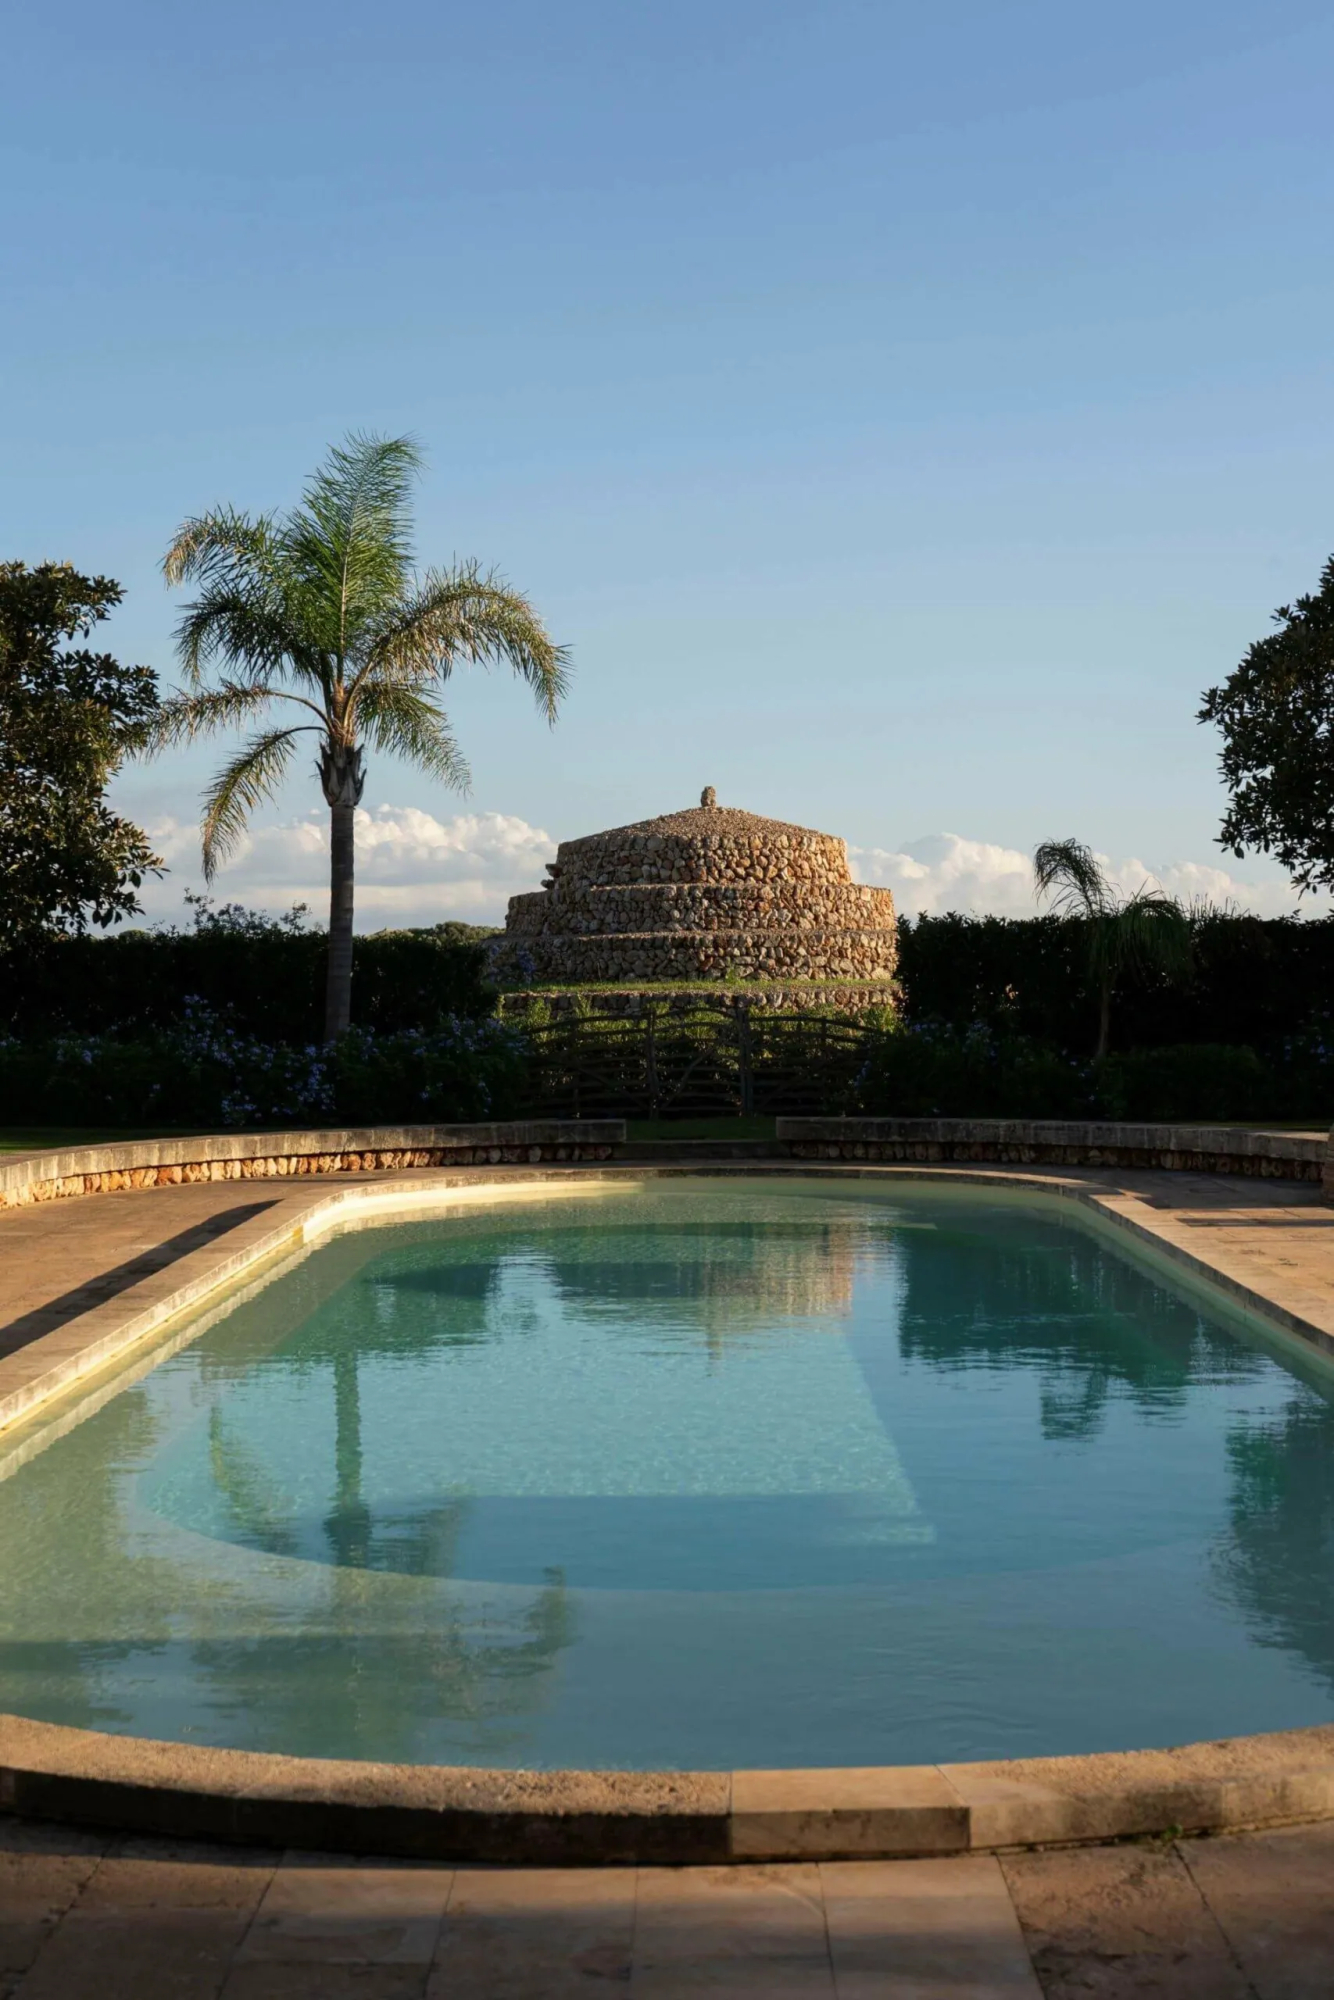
(225, 542)
(239, 787)
(1068, 872)
(186, 716)
(1152, 935)
(467, 614)
(409, 724)
(351, 534)
(254, 628)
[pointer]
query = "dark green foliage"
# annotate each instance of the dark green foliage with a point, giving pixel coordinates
(1276, 714)
(465, 1069)
(200, 1074)
(263, 976)
(1204, 1080)
(941, 1073)
(944, 1072)
(1253, 981)
(67, 716)
(1143, 939)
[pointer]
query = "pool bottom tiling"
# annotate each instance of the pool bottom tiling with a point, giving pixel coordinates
(688, 1475)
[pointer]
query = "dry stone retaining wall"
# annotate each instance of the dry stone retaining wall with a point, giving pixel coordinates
(700, 895)
(635, 1002)
(234, 1157)
(1293, 1156)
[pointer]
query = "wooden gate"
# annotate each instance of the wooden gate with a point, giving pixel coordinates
(720, 1057)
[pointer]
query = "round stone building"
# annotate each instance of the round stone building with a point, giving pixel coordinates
(701, 895)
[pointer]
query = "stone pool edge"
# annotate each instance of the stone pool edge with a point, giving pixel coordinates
(567, 1818)
(52, 1771)
(55, 1363)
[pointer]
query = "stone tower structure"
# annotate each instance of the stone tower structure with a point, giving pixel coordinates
(705, 894)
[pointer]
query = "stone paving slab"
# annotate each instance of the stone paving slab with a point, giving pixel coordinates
(514, 1933)
(1244, 1917)
(1120, 1921)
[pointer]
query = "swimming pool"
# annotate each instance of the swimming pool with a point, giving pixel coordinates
(688, 1474)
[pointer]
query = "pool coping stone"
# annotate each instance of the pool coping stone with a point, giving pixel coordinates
(578, 1818)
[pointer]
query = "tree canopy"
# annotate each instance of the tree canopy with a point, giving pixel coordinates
(321, 610)
(1276, 714)
(67, 717)
(1142, 936)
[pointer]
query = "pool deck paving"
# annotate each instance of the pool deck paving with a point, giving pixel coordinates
(1240, 1917)
(85, 1912)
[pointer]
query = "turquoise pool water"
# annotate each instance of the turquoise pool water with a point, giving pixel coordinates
(693, 1474)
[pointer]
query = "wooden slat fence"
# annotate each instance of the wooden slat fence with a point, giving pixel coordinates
(717, 1059)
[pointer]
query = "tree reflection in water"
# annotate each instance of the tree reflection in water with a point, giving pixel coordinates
(1086, 1321)
(1276, 1561)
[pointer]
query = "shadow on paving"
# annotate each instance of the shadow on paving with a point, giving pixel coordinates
(96, 1291)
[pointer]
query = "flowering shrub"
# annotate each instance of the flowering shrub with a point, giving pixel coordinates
(203, 1072)
(463, 1069)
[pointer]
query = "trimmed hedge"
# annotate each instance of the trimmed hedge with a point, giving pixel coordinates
(936, 1071)
(264, 977)
(1256, 981)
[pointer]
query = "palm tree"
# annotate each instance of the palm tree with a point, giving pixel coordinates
(320, 608)
(1135, 937)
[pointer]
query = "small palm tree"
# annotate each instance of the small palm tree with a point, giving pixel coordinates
(321, 608)
(1135, 937)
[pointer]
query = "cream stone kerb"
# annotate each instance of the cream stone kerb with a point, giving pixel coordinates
(54, 1173)
(568, 1817)
(565, 1818)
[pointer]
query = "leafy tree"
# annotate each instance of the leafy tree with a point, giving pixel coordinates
(67, 717)
(321, 609)
(1276, 713)
(1140, 936)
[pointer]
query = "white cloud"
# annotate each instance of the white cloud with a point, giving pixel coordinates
(945, 872)
(411, 867)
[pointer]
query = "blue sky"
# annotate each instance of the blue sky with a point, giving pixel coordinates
(903, 412)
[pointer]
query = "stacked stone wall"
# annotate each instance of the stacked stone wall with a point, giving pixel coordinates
(658, 956)
(119, 1169)
(703, 895)
(590, 909)
(632, 1002)
(774, 853)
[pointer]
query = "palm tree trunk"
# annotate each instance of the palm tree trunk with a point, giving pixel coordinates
(349, 1526)
(343, 779)
(342, 876)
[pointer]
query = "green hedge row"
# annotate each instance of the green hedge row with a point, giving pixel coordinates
(264, 977)
(1255, 981)
(937, 1071)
